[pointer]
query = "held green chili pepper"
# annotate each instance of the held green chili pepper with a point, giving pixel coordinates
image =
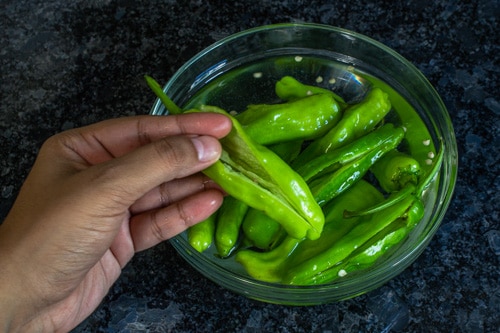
(356, 121)
(229, 219)
(306, 118)
(200, 236)
(255, 175)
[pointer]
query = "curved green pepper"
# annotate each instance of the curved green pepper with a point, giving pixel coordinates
(409, 190)
(289, 89)
(229, 219)
(267, 266)
(306, 118)
(356, 121)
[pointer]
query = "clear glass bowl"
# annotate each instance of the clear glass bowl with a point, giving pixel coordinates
(243, 68)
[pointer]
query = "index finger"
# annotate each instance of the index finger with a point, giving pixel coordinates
(116, 137)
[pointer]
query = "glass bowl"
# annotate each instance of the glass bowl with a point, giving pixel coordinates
(243, 68)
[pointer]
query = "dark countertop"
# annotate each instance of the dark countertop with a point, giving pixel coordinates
(69, 63)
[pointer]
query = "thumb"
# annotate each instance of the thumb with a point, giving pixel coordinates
(121, 181)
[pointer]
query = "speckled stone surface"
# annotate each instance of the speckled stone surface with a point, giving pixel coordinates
(65, 64)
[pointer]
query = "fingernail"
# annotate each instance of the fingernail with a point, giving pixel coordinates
(206, 149)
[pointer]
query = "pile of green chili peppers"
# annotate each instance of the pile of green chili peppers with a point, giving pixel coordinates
(317, 189)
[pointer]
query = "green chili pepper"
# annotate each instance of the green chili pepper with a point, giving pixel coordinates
(419, 140)
(396, 169)
(336, 226)
(289, 89)
(305, 118)
(368, 226)
(409, 190)
(267, 266)
(229, 220)
(288, 151)
(326, 187)
(361, 246)
(356, 121)
(262, 231)
(200, 236)
(367, 255)
(271, 266)
(336, 158)
(255, 175)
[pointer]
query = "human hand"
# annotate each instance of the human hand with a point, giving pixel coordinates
(95, 196)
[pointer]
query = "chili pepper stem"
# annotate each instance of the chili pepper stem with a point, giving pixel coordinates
(167, 102)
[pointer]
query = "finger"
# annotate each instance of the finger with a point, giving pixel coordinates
(118, 183)
(116, 137)
(152, 227)
(173, 191)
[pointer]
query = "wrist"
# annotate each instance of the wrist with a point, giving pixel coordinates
(14, 308)
(8, 305)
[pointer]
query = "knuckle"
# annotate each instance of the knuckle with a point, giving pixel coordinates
(59, 141)
(184, 217)
(142, 132)
(165, 195)
(171, 154)
(176, 156)
(164, 226)
(156, 227)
